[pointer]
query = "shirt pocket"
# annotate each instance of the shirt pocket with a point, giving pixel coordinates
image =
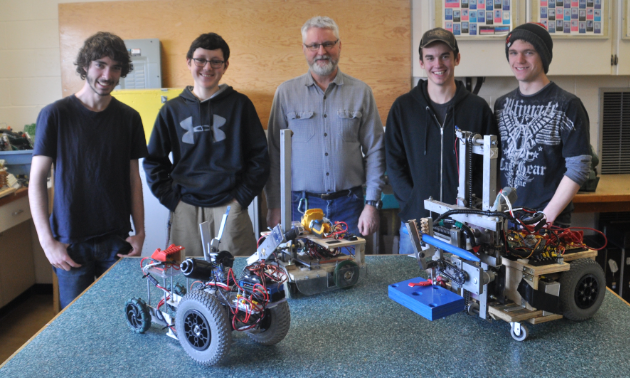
(302, 124)
(349, 122)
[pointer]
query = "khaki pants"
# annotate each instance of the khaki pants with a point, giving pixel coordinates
(238, 235)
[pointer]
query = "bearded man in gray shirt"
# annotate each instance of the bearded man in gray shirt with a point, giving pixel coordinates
(337, 143)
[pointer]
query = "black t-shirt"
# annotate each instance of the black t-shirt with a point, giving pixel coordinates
(91, 153)
(537, 133)
(441, 109)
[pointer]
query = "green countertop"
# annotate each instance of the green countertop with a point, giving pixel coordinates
(354, 332)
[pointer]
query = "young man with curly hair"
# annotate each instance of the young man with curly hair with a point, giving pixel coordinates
(94, 142)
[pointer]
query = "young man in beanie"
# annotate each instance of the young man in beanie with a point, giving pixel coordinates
(94, 142)
(544, 130)
(420, 135)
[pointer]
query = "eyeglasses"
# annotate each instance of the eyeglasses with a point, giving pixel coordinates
(213, 63)
(326, 45)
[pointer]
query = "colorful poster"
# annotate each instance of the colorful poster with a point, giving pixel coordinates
(457, 28)
(489, 18)
(574, 17)
(574, 26)
(478, 17)
(451, 3)
(498, 16)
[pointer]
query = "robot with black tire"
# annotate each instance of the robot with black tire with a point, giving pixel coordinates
(216, 303)
(493, 261)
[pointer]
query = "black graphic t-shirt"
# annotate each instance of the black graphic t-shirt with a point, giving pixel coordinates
(537, 133)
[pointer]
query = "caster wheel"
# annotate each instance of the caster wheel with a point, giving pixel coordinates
(137, 315)
(519, 331)
(346, 274)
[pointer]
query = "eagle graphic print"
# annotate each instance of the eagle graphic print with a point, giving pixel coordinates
(524, 130)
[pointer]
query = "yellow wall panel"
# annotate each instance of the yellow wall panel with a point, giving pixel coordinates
(147, 102)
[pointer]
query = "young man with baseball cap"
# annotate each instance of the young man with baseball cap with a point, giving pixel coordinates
(420, 135)
(544, 130)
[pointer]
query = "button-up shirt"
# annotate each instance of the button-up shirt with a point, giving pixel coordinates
(337, 139)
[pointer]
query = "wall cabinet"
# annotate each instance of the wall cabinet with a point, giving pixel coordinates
(608, 54)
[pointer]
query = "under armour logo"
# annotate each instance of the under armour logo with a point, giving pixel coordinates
(217, 134)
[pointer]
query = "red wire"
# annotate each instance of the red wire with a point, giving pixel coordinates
(259, 239)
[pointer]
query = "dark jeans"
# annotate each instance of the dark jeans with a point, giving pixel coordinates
(95, 256)
(347, 209)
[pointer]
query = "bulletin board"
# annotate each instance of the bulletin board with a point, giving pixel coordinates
(573, 18)
(264, 39)
(476, 19)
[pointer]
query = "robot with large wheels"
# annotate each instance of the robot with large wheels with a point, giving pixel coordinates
(493, 261)
(217, 303)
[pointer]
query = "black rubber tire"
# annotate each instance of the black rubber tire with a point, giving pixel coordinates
(203, 328)
(137, 315)
(582, 289)
(346, 274)
(524, 333)
(274, 326)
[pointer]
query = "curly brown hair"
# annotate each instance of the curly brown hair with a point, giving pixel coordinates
(103, 44)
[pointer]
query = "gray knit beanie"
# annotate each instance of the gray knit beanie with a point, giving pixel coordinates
(538, 36)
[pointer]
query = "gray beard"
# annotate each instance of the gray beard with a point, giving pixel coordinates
(325, 70)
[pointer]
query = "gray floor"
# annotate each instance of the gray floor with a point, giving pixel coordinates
(354, 332)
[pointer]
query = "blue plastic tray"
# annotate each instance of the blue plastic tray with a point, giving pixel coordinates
(431, 302)
(18, 162)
